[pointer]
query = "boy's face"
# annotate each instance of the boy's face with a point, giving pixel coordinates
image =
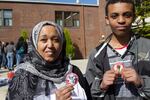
(120, 17)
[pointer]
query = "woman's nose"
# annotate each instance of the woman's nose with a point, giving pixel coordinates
(50, 43)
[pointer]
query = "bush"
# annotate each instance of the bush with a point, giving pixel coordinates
(143, 12)
(70, 50)
(24, 34)
(143, 31)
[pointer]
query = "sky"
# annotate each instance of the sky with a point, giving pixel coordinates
(65, 1)
(73, 1)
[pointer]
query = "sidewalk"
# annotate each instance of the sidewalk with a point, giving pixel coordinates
(81, 64)
(3, 89)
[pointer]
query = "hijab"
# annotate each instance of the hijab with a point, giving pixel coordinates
(56, 69)
(51, 72)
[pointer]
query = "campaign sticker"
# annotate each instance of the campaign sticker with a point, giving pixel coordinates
(118, 67)
(72, 78)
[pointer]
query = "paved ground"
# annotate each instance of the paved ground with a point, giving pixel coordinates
(81, 63)
(3, 74)
(3, 89)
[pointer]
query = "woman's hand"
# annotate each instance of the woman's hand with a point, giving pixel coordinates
(64, 93)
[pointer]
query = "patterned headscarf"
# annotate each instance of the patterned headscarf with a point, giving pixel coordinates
(55, 68)
(51, 72)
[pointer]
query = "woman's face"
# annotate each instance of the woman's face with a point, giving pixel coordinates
(49, 43)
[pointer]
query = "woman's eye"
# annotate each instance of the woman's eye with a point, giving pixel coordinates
(56, 40)
(43, 40)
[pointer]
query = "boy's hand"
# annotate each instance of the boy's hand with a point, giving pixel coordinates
(64, 93)
(130, 75)
(108, 79)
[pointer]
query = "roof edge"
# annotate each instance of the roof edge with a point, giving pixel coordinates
(48, 2)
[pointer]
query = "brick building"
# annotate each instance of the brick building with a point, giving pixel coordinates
(85, 21)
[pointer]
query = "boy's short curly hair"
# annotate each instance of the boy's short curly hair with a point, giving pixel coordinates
(116, 1)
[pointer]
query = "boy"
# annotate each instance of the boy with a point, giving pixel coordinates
(119, 68)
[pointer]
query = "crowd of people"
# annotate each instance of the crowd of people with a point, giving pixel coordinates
(12, 54)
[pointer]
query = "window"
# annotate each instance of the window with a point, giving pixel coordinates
(67, 18)
(5, 17)
(59, 17)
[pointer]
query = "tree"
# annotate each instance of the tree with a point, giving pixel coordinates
(70, 50)
(24, 34)
(142, 27)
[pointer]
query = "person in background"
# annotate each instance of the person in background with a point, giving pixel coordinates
(1, 54)
(4, 55)
(45, 75)
(119, 68)
(10, 50)
(21, 50)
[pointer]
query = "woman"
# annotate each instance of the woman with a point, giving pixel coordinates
(43, 76)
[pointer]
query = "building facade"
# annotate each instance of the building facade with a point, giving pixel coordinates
(86, 23)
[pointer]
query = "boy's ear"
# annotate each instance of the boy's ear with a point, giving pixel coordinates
(107, 20)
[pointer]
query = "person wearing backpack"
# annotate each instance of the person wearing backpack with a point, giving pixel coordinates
(21, 50)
